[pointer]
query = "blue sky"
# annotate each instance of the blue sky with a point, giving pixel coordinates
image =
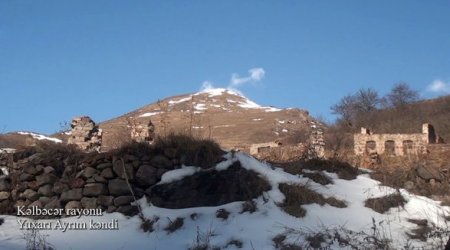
(60, 59)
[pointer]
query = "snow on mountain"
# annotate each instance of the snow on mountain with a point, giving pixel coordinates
(239, 100)
(40, 137)
(258, 229)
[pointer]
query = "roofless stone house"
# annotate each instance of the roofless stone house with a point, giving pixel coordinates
(395, 144)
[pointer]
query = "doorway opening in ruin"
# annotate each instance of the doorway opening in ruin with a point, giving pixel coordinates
(408, 147)
(371, 147)
(389, 148)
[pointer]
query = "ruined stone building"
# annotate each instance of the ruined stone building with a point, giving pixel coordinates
(142, 132)
(258, 148)
(395, 144)
(316, 147)
(85, 134)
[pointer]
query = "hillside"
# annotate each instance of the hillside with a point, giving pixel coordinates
(226, 116)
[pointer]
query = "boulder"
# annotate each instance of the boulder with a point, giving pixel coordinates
(107, 173)
(123, 200)
(111, 209)
(33, 185)
(73, 205)
(161, 161)
(72, 195)
(4, 195)
(89, 172)
(30, 169)
(21, 186)
(36, 204)
(118, 168)
(103, 166)
(77, 183)
(128, 210)
(118, 187)
(105, 200)
(99, 178)
(49, 169)
(94, 189)
(46, 190)
(146, 175)
(89, 203)
(5, 183)
(46, 179)
(44, 200)
(59, 187)
(54, 203)
(29, 194)
(26, 177)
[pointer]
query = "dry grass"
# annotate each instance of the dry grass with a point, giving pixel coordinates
(222, 214)
(383, 204)
(343, 169)
(175, 225)
(318, 178)
(297, 195)
(191, 151)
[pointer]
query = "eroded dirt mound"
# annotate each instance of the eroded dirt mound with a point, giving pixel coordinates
(209, 188)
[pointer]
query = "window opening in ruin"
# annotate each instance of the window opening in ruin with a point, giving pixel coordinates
(408, 147)
(371, 147)
(389, 147)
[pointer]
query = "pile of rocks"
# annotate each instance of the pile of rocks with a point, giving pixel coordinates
(143, 132)
(85, 134)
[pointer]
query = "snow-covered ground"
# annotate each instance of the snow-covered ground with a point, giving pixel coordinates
(40, 137)
(255, 230)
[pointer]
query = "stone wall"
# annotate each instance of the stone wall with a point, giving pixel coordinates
(91, 181)
(85, 134)
(395, 144)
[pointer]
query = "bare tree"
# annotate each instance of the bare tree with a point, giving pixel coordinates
(400, 95)
(367, 100)
(345, 108)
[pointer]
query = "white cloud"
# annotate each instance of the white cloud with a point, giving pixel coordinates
(255, 75)
(439, 86)
(206, 85)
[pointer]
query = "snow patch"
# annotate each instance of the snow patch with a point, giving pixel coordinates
(180, 100)
(178, 174)
(150, 114)
(40, 137)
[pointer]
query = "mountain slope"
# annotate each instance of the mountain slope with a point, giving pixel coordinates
(226, 116)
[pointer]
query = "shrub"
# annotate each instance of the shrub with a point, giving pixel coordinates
(191, 151)
(222, 214)
(383, 204)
